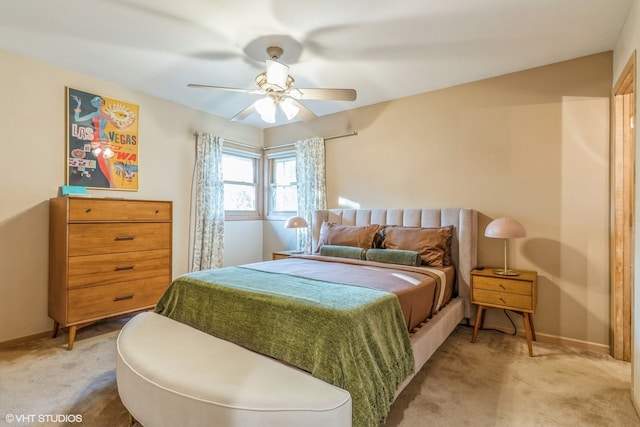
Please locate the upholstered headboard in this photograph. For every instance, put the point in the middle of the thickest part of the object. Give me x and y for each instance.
(463, 243)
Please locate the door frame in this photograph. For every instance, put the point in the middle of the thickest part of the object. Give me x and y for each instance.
(622, 209)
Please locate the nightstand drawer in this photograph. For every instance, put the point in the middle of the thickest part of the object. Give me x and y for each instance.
(502, 299)
(500, 284)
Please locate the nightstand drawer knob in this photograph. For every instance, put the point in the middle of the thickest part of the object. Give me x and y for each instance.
(123, 297)
(502, 286)
(503, 301)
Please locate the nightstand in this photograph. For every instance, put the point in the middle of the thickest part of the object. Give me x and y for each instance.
(283, 254)
(513, 293)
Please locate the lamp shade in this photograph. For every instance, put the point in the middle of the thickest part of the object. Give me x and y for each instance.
(266, 107)
(505, 228)
(290, 110)
(277, 74)
(296, 222)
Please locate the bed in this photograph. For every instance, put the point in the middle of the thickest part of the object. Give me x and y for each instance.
(330, 314)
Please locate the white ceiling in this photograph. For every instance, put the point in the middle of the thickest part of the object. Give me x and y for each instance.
(383, 49)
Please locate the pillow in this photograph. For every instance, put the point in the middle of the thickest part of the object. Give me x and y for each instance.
(431, 243)
(342, 251)
(346, 235)
(394, 256)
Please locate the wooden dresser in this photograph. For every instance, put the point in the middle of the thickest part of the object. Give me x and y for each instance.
(106, 257)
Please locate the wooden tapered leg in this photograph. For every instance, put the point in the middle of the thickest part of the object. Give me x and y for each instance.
(479, 320)
(56, 325)
(527, 328)
(533, 330)
(72, 336)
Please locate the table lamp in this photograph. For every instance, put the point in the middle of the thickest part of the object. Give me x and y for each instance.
(296, 222)
(505, 228)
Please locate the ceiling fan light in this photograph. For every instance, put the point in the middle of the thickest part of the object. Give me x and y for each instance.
(277, 74)
(269, 119)
(289, 108)
(266, 107)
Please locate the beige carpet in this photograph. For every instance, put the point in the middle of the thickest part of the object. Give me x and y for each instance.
(490, 383)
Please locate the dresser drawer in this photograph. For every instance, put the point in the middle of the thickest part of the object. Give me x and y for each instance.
(86, 304)
(93, 239)
(106, 269)
(502, 299)
(503, 285)
(88, 209)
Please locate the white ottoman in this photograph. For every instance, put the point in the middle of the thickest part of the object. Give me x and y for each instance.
(170, 374)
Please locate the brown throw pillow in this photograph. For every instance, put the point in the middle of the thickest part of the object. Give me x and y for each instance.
(431, 243)
(346, 235)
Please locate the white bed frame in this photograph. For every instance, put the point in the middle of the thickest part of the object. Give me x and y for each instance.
(426, 340)
(171, 374)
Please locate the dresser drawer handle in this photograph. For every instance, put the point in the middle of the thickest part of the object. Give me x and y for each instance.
(502, 286)
(124, 267)
(123, 297)
(503, 301)
(125, 237)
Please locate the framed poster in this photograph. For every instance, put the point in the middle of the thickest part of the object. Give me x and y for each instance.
(102, 142)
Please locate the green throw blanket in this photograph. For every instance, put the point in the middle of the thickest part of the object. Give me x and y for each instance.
(349, 336)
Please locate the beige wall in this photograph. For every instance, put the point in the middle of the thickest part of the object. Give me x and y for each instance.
(533, 145)
(33, 167)
(628, 42)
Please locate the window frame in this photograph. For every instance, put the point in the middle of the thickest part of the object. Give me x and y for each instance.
(269, 183)
(257, 157)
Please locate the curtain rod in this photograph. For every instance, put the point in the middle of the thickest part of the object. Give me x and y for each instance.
(326, 139)
(286, 145)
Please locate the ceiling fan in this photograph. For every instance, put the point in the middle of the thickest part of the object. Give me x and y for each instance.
(278, 87)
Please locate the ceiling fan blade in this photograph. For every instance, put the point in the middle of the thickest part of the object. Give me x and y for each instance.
(229, 89)
(303, 112)
(325, 94)
(244, 113)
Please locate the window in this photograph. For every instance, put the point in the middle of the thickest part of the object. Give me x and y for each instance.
(283, 189)
(240, 171)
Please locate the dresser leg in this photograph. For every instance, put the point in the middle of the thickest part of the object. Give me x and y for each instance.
(54, 333)
(527, 328)
(479, 319)
(72, 336)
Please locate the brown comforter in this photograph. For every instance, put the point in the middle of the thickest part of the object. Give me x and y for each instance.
(417, 288)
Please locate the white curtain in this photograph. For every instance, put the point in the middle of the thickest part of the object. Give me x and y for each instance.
(208, 242)
(312, 189)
